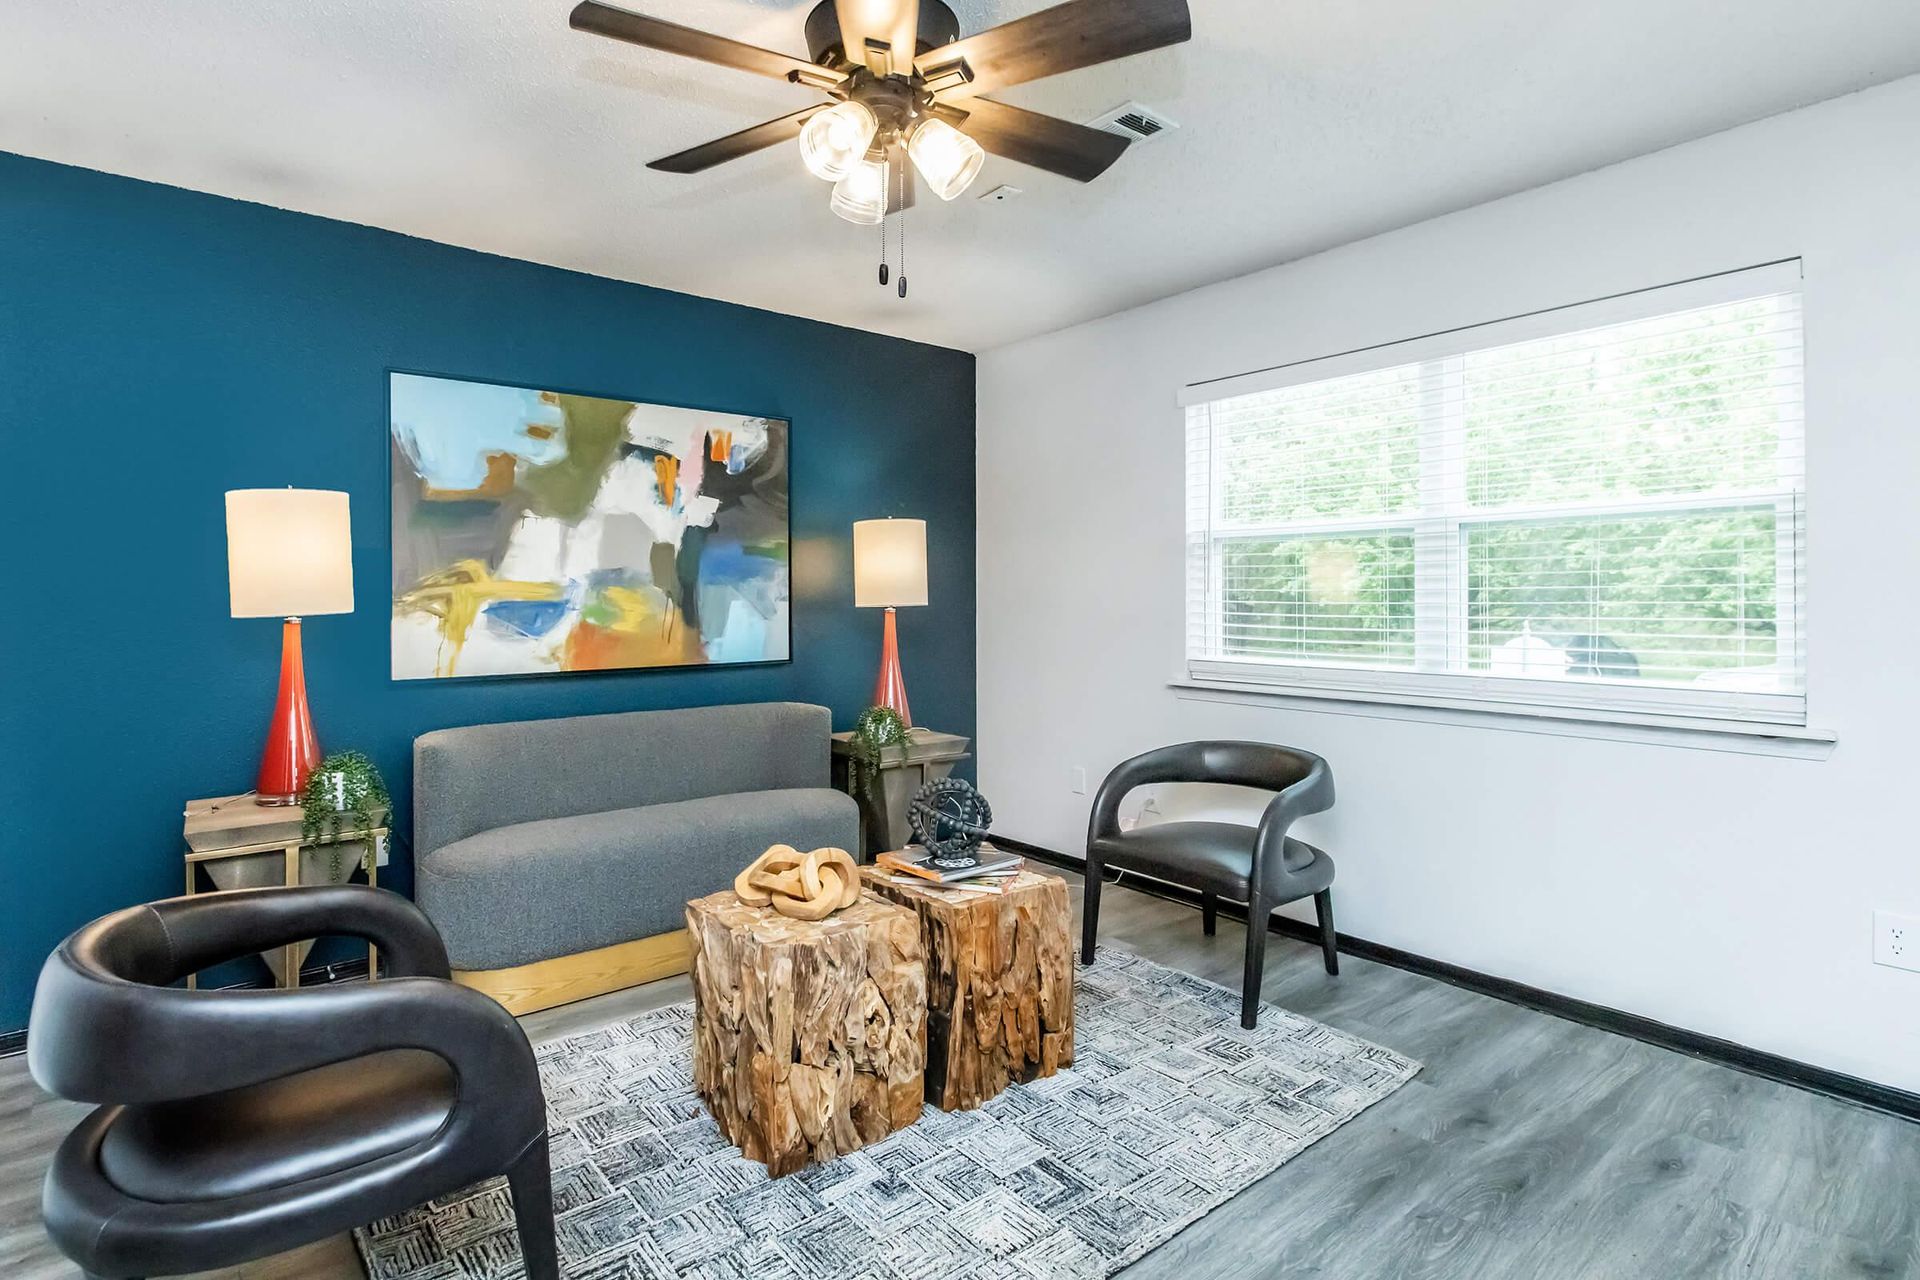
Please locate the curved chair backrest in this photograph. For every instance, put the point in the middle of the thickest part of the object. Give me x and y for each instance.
(1250, 764)
(109, 1026)
(1302, 780)
(1263, 765)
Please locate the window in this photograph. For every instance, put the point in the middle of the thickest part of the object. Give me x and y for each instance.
(1597, 509)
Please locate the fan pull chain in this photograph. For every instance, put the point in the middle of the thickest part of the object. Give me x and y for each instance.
(903, 230)
(883, 243)
(898, 194)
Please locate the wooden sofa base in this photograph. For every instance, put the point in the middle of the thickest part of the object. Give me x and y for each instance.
(528, 988)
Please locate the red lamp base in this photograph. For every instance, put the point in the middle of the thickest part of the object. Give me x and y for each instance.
(293, 749)
(890, 687)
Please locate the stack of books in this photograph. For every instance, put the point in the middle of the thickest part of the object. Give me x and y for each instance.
(991, 871)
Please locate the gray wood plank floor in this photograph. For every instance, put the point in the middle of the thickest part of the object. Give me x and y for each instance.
(1529, 1147)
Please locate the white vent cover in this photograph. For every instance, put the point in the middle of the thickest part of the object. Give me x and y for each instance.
(1135, 121)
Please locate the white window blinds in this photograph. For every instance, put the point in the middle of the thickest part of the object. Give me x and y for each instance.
(1597, 508)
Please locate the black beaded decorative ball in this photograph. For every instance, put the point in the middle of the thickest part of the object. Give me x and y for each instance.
(950, 819)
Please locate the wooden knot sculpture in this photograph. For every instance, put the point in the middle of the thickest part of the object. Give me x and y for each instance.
(801, 886)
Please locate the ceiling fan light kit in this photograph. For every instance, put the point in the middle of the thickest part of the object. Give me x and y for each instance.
(909, 87)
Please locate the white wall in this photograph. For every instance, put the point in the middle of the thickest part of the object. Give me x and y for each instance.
(1725, 892)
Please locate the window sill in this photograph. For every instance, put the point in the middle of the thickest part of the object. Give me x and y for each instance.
(1795, 741)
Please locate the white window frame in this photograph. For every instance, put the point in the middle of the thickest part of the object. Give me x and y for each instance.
(1438, 678)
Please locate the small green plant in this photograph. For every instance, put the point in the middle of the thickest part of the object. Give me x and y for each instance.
(877, 729)
(343, 801)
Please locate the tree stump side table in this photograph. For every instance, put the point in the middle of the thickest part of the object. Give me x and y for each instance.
(999, 984)
(809, 1037)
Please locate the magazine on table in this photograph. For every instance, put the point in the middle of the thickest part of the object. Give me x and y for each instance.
(916, 861)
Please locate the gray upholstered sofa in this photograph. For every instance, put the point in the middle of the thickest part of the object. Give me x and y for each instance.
(556, 856)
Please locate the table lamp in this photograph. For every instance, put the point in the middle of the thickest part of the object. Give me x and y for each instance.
(889, 571)
(289, 553)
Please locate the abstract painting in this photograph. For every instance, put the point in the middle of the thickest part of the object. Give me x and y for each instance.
(536, 531)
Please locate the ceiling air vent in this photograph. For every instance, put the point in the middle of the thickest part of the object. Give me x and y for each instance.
(1134, 121)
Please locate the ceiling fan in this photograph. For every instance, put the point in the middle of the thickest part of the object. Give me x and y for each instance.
(907, 88)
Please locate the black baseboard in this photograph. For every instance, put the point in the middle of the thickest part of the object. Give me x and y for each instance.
(319, 975)
(1726, 1053)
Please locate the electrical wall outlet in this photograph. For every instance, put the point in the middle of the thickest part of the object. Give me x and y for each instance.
(1148, 812)
(1896, 940)
(1077, 780)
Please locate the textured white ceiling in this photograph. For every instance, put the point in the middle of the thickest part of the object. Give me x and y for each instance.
(1307, 123)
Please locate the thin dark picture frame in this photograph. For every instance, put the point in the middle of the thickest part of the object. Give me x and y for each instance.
(603, 672)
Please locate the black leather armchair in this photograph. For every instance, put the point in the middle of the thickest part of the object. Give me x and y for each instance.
(237, 1124)
(1263, 867)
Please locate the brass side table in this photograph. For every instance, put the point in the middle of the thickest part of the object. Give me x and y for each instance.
(243, 845)
(904, 769)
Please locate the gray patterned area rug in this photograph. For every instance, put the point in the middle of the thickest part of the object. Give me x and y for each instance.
(1169, 1110)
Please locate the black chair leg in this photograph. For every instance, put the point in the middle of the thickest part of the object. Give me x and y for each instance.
(1209, 913)
(531, 1181)
(1257, 912)
(1090, 911)
(1323, 906)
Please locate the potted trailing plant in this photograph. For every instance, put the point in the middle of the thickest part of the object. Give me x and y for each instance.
(344, 800)
(877, 729)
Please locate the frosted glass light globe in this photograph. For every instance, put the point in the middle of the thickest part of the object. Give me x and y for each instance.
(948, 159)
(835, 140)
(861, 196)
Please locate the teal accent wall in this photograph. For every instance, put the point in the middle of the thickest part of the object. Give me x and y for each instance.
(159, 347)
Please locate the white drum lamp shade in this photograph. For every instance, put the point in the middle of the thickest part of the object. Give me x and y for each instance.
(289, 553)
(889, 563)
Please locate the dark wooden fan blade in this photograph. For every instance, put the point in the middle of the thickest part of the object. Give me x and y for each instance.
(735, 145)
(655, 33)
(865, 24)
(1066, 37)
(1045, 142)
